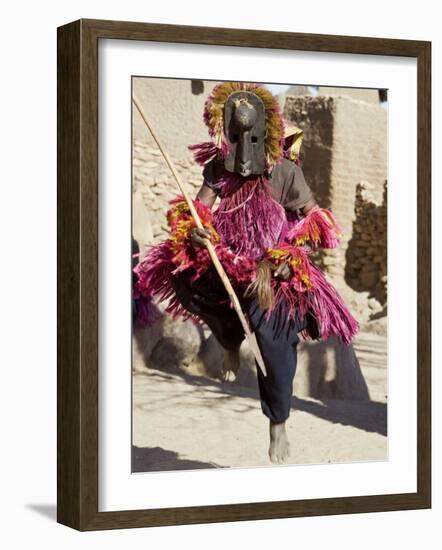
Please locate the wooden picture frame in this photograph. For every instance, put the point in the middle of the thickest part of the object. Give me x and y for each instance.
(77, 459)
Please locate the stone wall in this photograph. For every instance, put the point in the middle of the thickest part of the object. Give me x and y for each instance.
(153, 188)
(345, 143)
(366, 265)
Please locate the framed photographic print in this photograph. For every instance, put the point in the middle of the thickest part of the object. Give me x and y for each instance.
(244, 284)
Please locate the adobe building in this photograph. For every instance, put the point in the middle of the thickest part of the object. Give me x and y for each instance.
(344, 159)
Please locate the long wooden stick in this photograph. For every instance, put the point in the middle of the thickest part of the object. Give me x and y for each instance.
(251, 337)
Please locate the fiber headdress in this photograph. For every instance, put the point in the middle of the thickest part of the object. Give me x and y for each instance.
(214, 120)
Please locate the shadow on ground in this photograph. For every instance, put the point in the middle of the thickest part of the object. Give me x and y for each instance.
(153, 459)
(225, 388)
(370, 416)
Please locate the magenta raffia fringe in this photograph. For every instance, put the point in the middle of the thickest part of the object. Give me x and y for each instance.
(155, 272)
(321, 298)
(330, 310)
(249, 219)
(319, 229)
(204, 152)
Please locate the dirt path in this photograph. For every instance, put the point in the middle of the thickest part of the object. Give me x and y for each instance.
(189, 422)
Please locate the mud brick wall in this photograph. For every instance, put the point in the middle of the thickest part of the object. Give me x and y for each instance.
(364, 94)
(316, 116)
(366, 266)
(175, 109)
(345, 143)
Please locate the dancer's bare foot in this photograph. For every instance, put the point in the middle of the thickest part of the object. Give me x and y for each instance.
(279, 450)
(230, 366)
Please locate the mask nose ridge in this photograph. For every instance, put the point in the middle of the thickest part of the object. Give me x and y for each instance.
(245, 153)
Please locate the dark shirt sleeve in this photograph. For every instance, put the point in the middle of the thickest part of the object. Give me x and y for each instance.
(295, 191)
(212, 173)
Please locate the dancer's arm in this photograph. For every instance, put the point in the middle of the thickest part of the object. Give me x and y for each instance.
(199, 237)
(206, 195)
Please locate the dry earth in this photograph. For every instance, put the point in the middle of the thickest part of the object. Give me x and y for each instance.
(183, 421)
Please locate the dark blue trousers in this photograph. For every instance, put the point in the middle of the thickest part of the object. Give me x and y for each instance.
(278, 339)
(277, 336)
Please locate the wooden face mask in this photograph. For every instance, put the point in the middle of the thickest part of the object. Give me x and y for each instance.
(244, 126)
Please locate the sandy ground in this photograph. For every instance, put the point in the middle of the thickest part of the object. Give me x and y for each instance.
(189, 422)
